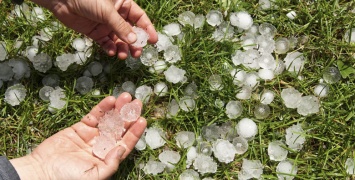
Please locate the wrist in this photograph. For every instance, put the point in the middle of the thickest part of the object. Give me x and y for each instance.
(28, 167)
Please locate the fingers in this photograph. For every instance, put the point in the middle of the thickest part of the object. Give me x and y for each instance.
(120, 27)
(134, 14)
(132, 135)
(123, 99)
(112, 159)
(98, 111)
(85, 132)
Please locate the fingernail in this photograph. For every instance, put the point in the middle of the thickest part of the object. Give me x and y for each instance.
(120, 151)
(132, 37)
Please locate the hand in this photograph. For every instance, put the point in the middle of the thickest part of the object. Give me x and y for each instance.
(68, 154)
(108, 22)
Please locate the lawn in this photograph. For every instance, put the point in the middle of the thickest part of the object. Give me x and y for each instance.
(320, 27)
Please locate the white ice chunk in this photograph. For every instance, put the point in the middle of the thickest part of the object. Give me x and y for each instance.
(172, 54)
(250, 169)
(172, 29)
(42, 62)
(84, 84)
(234, 109)
(244, 93)
(174, 74)
(79, 44)
(154, 138)
(149, 56)
(64, 61)
(291, 15)
(276, 151)
(308, 105)
(295, 137)
(189, 174)
(164, 42)
(153, 167)
(247, 128)
(160, 89)
(191, 156)
(282, 45)
(57, 100)
(291, 97)
(286, 170)
(159, 66)
(20, 68)
(186, 18)
(130, 112)
(31, 52)
(187, 103)
(224, 151)
(45, 92)
(321, 90)
(214, 18)
(15, 94)
(141, 145)
(169, 157)
(143, 93)
(267, 61)
(142, 37)
(185, 139)
(205, 164)
(267, 29)
(350, 166)
(267, 96)
(294, 61)
(199, 21)
(242, 20)
(211, 133)
(266, 74)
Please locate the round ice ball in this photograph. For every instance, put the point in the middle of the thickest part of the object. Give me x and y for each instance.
(276, 151)
(84, 84)
(15, 94)
(282, 45)
(160, 89)
(240, 145)
(321, 90)
(187, 104)
(247, 128)
(79, 44)
(159, 66)
(242, 20)
(261, 111)
(267, 29)
(214, 18)
(286, 170)
(234, 109)
(186, 18)
(331, 75)
(142, 37)
(44, 92)
(129, 87)
(267, 97)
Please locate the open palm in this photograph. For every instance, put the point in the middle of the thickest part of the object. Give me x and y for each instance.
(68, 153)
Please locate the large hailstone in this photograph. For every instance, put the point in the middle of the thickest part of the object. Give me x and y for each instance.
(286, 170)
(308, 105)
(321, 90)
(57, 100)
(142, 37)
(295, 137)
(143, 93)
(172, 29)
(174, 74)
(214, 18)
(149, 56)
(169, 158)
(187, 103)
(64, 61)
(185, 139)
(154, 138)
(163, 42)
(15, 94)
(189, 174)
(20, 68)
(291, 97)
(84, 84)
(42, 62)
(223, 150)
(186, 18)
(276, 151)
(247, 128)
(294, 62)
(234, 109)
(250, 169)
(242, 20)
(153, 167)
(205, 164)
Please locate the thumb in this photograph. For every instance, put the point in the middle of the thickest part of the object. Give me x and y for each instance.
(112, 158)
(120, 26)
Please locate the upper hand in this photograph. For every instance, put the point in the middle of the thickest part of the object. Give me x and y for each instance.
(108, 22)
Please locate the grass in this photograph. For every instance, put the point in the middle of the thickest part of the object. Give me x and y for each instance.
(329, 133)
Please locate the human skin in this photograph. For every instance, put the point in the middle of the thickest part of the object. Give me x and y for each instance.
(68, 153)
(108, 22)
